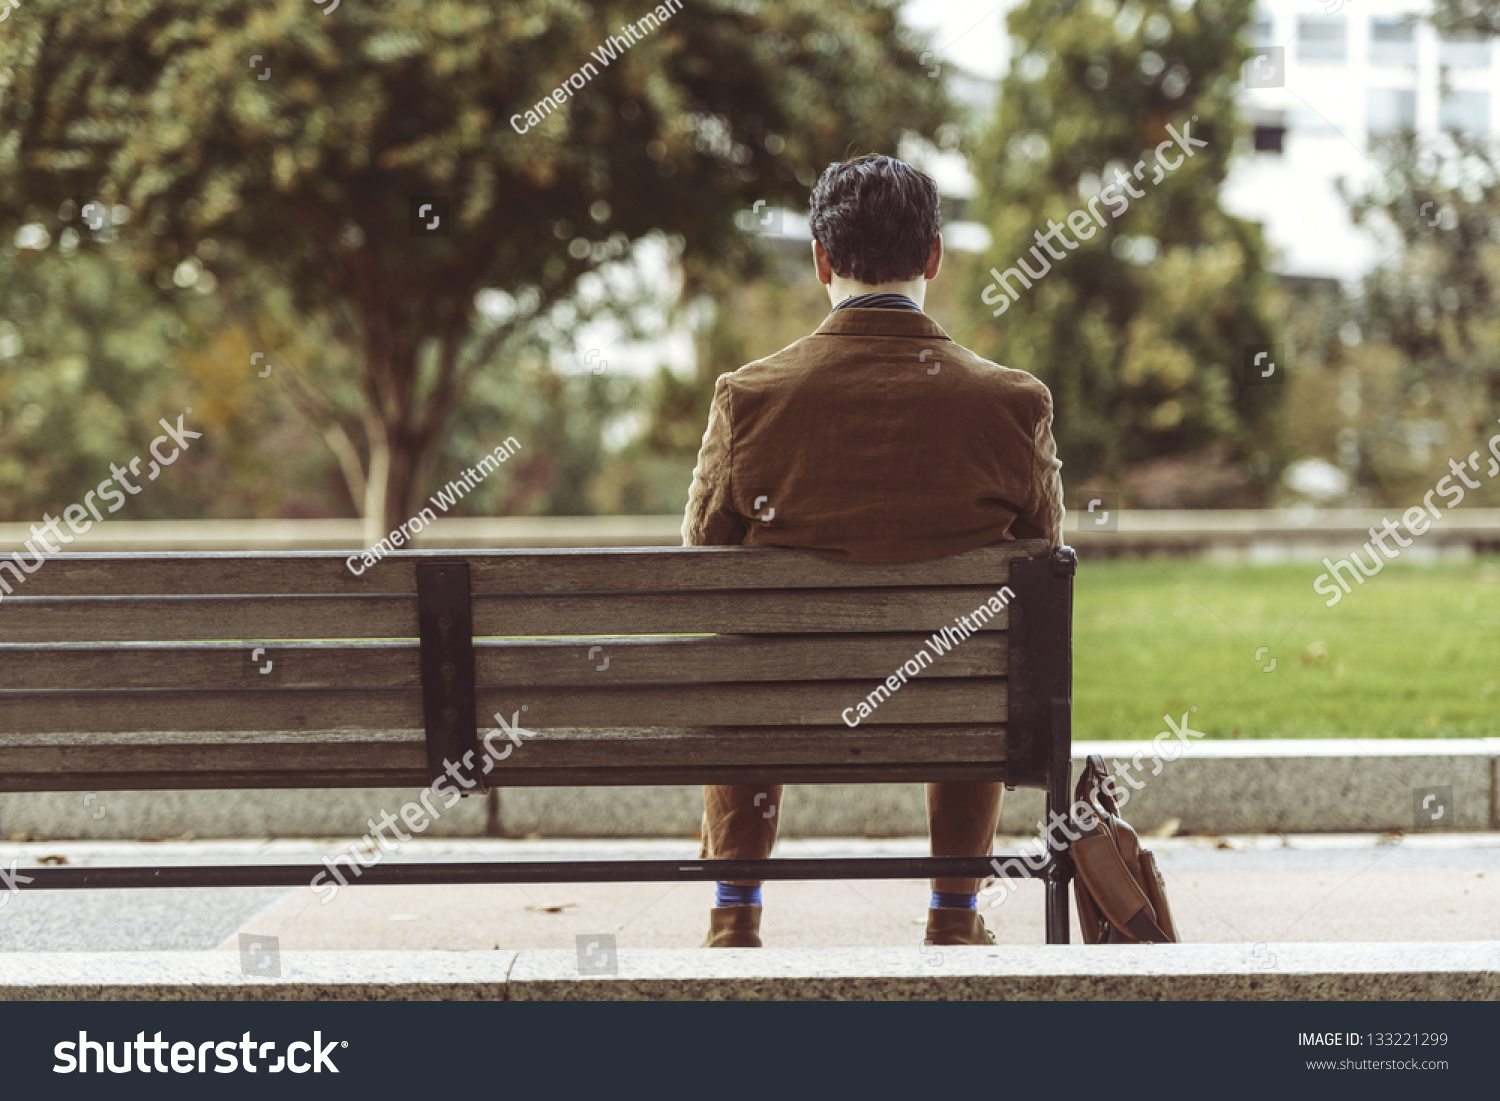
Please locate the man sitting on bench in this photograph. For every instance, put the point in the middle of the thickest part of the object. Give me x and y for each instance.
(875, 439)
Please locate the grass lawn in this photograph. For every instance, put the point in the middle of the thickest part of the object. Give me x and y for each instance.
(1414, 653)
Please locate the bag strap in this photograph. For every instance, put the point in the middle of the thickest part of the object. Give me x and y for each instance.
(1094, 786)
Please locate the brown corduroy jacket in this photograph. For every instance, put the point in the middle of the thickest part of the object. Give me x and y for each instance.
(876, 439)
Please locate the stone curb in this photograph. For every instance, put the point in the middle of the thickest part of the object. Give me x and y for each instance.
(218, 976)
(1457, 971)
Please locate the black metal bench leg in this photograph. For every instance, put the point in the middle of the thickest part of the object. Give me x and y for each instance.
(1057, 911)
(1060, 868)
(1059, 875)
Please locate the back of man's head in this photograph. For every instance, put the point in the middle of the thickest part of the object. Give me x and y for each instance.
(877, 218)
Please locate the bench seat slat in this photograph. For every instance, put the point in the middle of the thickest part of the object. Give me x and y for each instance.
(635, 755)
(969, 700)
(665, 749)
(811, 611)
(627, 569)
(760, 773)
(549, 662)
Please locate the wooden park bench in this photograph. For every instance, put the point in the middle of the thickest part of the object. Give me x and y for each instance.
(725, 665)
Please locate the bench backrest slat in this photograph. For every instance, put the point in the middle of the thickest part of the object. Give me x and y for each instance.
(970, 700)
(385, 664)
(612, 569)
(740, 611)
(661, 747)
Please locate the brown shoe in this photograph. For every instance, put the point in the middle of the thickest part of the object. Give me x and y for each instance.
(733, 927)
(945, 926)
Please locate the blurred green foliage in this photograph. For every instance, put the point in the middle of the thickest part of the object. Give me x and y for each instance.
(1142, 331)
(235, 215)
(91, 357)
(1437, 302)
(1393, 381)
(1467, 16)
(274, 155)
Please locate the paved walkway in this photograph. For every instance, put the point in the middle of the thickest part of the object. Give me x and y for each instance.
(1248, 890)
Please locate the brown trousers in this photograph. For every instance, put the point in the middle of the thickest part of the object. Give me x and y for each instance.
(961, 820)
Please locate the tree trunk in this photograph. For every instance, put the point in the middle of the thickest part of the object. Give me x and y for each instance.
(377, 482)
(406, 454)
(401, 432)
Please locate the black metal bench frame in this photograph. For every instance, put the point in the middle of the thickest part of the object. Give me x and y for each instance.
(1038, 755)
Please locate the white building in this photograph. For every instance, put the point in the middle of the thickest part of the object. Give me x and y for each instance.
(1348, 73)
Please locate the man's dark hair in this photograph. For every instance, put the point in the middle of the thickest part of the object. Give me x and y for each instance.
(876, 217)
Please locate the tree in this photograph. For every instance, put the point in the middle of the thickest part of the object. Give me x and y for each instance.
(1431, 313)
(282, 149)
(90, 358)
(1481, 17)
(1142, 327)
(1439, 300)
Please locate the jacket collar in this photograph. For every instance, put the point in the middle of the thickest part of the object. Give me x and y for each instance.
(858, 322)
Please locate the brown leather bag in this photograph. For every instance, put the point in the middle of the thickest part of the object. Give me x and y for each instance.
(1121, 896)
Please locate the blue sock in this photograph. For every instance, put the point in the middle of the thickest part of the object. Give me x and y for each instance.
(942, 901)
(733, 894)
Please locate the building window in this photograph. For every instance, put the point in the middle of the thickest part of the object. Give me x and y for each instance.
(1393, 41)
(1270, 139)
(1321, 39)
(1389, 110)
(1466, 112)
(1260, 29)
(1464, 51)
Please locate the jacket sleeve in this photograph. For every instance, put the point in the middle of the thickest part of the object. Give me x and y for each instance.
(1044, 507)
(711, 519)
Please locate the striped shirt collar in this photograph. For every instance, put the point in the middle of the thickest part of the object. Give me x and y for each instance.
(878, 301)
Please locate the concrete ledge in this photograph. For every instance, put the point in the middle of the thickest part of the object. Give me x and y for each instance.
(1263, 786)
(449, 533)
(1255, 535)
(1462, 971)
(218, 976)
(1187, 972)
